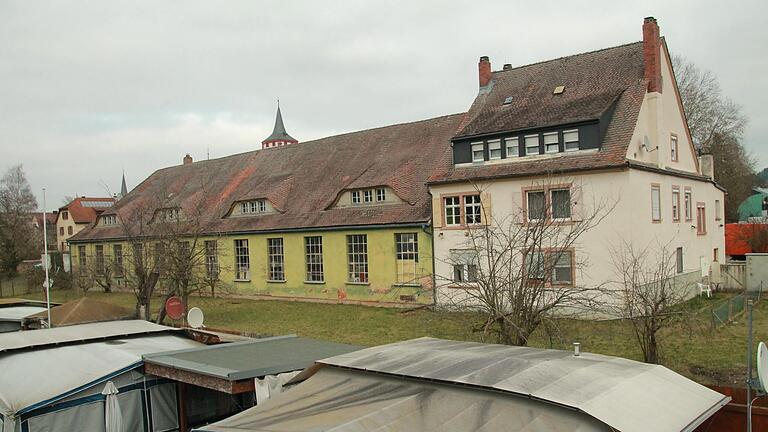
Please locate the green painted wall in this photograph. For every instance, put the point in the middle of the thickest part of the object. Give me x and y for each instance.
(382, 266)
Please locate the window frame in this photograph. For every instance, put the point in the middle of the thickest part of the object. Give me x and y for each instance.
(679, 260)
(566, 142)
(538, 144)
(551, 206)
(100, 261)
(548, 213)
(701, 218)
(688, 204)
(656, 216)
(313, 265)
(406, 250)
(474, 148)
(507, 146)
(357, 259)
(461, 202)
(547, 278)
(455, 206)
(242, 260)
(212, 269)
(675, 203)
(367, 196)
(718, 211)
(494, 145)
(476, 208)
(556, 143)
(275, 259)
(674, 147)
(381, 194)
(117, 260)
(571, 266)
(82, 256)
(355, 198)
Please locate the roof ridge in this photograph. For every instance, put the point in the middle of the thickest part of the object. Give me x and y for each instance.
(568, 56)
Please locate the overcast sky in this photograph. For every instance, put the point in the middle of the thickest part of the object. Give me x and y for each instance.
(89, 89)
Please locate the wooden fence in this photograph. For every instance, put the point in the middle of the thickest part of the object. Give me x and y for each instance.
(734, 276)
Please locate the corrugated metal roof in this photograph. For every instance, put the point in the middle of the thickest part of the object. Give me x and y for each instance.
(252, 358)
(36, 339)
(624, 394)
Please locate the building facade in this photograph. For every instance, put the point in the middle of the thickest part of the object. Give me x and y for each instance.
(76, 215)
(595, 135)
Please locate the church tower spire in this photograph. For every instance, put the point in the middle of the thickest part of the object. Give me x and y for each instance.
(279, 136)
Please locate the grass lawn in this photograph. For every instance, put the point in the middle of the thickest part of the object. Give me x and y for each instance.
(693, 349)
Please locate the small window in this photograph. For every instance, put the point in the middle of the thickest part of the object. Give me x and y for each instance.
(534, 265)
(715, 254)
(381, 194)
(679, 259)
(69, 230)
(532, 145)
(676, 204)
(561, 204)
(452, 211)
(494, 149)
(673, 148)
(571, 139)
(562, 271)
(656, 203)
(65, 215)
(472, 209)
(513, 148)
(61, 230)
(536, 205)
(718, 210)
(246, 207)
(478, 153)
(465, 266)
(551, 142)
(688, 206)
(701, 219)
(368, 196)
(355, 197)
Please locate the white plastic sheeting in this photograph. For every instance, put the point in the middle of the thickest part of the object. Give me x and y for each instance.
(338, 400)
(272, 385)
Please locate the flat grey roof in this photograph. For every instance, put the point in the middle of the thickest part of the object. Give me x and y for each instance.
(253, 358)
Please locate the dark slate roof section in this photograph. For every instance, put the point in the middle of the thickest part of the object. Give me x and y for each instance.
(279, 133)
(302, 181)
(251, 359)
(595, 82)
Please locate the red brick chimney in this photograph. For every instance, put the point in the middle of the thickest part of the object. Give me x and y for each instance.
(187, 159)
(484, 71)
(652, 54)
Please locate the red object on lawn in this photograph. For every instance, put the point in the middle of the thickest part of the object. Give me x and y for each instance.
(174, 308)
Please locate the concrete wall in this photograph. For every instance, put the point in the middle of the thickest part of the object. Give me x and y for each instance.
(383, 285)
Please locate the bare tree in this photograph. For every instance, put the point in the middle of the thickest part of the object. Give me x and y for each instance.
(646, 293)
(518, 271)
(18, 237)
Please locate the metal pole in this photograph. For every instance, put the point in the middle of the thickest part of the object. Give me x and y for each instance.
(749, 364)
(45, 253)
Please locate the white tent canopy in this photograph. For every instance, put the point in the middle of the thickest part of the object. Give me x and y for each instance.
(394, 387)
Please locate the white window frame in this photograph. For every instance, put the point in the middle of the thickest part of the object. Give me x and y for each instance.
(528, 205)
(512, 143)
(406, 251)
(355, 197)
(357, 258)
(552, 204)
(556, 265)
(313, 257)
(655, 203)
(568, 145)
(676, 204)
(381, 194)
(368, 196)
(478, 152)
(718, 210)
(494, 149)
(673, 148)
(473, 209)
(688, 205)
(275, 260)
(453, 203)
(530, 138)
(548, 145)
(242, 260)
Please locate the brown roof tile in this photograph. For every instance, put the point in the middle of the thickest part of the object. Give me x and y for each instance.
(303, 180)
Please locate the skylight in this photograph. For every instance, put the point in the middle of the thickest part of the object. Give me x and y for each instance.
(508, 100)
(559, 90)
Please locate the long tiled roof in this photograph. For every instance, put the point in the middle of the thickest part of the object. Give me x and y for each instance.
(302, 181)
(594, 83)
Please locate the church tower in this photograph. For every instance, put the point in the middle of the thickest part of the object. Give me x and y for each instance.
(279, 136)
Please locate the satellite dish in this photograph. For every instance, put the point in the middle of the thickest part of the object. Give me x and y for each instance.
(762, 365)
(195, 318)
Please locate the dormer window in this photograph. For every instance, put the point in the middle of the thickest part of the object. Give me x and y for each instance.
(551, 142)
(381, 194)
(513, 149)
(478, 154)
(532, 145)
(109, 220)
(571, 138)
(368, 196)
(494, 149)
(355, 197)
(170, 214)
(253, 207)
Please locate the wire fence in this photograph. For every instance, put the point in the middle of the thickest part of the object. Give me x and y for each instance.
(731, 308)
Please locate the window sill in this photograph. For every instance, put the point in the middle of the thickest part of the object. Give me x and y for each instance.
(275, 281)
(357, 283)
(407, 285)
(241, 280)
(465, 286)
(314, 282)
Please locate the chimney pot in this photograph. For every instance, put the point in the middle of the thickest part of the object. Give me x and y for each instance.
(652, 54)
(484, 71)
(507, 66)
(187, 159)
